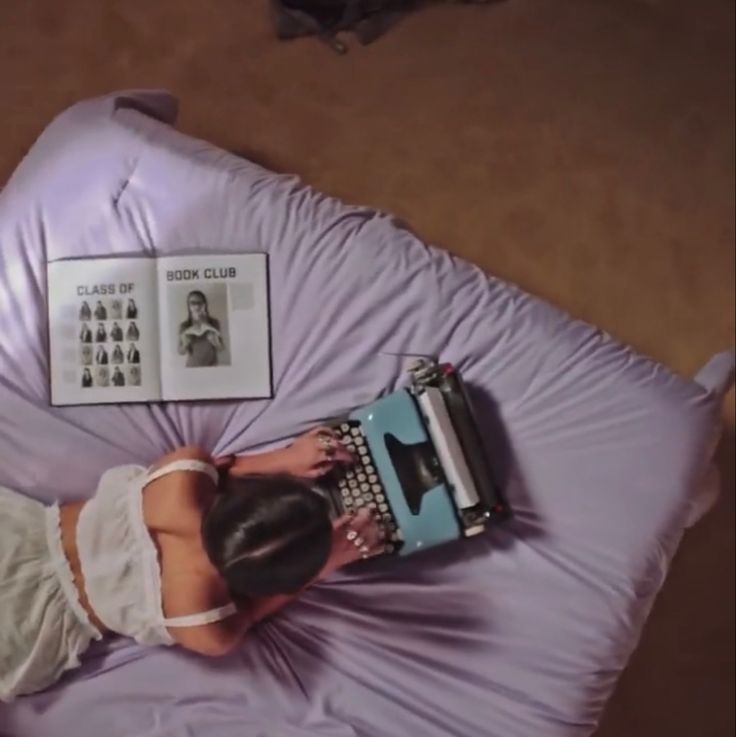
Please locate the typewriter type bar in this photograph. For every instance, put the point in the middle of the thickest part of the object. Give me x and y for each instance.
(443, 379)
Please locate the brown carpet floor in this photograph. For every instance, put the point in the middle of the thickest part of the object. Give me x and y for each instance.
(584, 150)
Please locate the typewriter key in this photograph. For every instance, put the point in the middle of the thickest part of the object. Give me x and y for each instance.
(361, 477)
(383, 507)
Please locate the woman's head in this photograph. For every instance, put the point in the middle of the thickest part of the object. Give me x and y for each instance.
(198, 310)
(267, 535)
(197, 306)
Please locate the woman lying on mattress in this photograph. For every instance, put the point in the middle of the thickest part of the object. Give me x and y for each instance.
(193, 551)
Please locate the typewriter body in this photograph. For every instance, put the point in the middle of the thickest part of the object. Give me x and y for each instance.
(421, 464)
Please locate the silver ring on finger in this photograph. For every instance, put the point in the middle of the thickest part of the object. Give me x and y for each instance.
(351, 535)
(327, 446)
(326, 442)
(358, 541)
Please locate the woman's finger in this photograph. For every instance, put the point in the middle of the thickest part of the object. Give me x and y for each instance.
(320, 469)
(363, 519)
(343, 522)
(343, 455)
(224, 462)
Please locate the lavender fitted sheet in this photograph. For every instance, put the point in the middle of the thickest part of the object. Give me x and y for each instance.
(521, 633)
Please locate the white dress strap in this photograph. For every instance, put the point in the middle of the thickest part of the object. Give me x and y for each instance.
(184, 464)
(194, 620)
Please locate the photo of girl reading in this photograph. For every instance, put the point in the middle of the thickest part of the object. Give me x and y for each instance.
(201, 339)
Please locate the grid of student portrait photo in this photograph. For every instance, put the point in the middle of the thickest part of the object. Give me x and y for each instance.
(108, 337)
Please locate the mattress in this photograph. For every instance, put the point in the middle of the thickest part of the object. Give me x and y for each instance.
(522, 632)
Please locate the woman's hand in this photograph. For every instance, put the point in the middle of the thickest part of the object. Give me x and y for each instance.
(315, 453)
(311, 455)
(185, 342)
(354, 537)
(214, 337)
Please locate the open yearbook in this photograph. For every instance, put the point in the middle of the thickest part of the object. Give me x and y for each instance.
(159, 329)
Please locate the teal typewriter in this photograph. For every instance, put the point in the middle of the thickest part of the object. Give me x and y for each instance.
(421, 465)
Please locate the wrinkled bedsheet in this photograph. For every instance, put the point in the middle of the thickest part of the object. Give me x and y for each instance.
(521, 633)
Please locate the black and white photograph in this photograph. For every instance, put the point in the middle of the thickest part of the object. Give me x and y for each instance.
(101, 333)
(85, 312)
(85, 334)
(118, 378)
(131, 310)
(86, 354)
(101, 358)
(100, 311)
(116, 332)
(132, 333)
(117, 356)
(202, 335)
(116, 309)
(102, 376)
(134, 375)
(87, 381)
(133, 355)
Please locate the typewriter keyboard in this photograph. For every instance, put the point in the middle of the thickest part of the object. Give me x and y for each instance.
(360, 485)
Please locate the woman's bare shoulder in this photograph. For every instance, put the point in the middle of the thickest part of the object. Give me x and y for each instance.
(187, 452)
(176, 501)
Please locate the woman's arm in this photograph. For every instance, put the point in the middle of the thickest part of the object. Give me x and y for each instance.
(311, 455)
(214, 337)
(184, 342)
